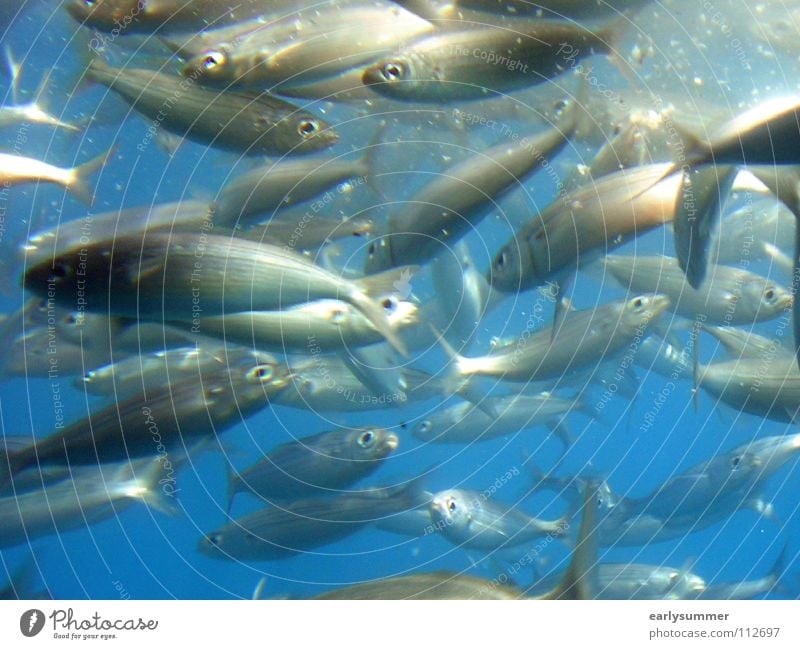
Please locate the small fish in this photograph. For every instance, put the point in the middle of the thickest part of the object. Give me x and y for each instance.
(284, 530)
(246, 123)
(310, 466)
(470, 520)
(18, 170)
(727, 296)
(234, 275)
(477, 62)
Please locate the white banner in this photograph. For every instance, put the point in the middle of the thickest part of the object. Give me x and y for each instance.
(384, 625)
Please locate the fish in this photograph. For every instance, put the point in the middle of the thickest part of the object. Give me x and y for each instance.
(579, 581)
(151, 371)
(120, 17)
(766, 385)
(281, 531)
(245, 123)
(470, 520)
(90, 494)
(465, 423)
(752, 588)
(325, 462)
(668, 359)
(557, 8)
(327, 384)
(618, 581)
(577, 227)
(477, 62)
(745, 233)
(267, 189)
(295, 49)
(582, 339)
(20, 170)
(195, 409)
(89, 228)
(23, 114)
(321, 325)
(701, 496)
(458, 199)
(728, 295)
(203, 274)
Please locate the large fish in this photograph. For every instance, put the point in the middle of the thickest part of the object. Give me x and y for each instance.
(247, 123)
(186, 276)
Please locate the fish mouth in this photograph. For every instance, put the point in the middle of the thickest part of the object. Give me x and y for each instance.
(392, 442)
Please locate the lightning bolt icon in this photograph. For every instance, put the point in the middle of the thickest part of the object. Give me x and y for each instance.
(32, 621)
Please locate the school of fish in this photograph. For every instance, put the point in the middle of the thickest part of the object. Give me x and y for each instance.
(412, 232)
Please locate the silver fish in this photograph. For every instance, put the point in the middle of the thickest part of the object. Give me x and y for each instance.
(319, 326)
(577, 227)
(279, 532)
(582, 339)
(265, 190)
(477, 61)
(465, 423)
(456, 201)
(469, 519)
(728, 295)
(247, 123)
(328, 461)
(202, 274)
(295, 49)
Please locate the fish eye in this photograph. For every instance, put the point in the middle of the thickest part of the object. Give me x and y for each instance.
(424, 426)
(451, 505)
(735, 460)
(673, 578)
(60, 270)
(212, 60)
(502, 260)
(392, 71)
(337, 316)
(366, 439)
(307, 127)
(769, 295)
(389, 304)
(637, 303)
(261, 373)
(214, 539)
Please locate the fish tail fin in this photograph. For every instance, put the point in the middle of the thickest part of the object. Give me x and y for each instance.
(457, 379)
(233, 486)
(14, 69)
(780, 569)
(81, 185)
(258, 591)
(153, 486)
(580, 580)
